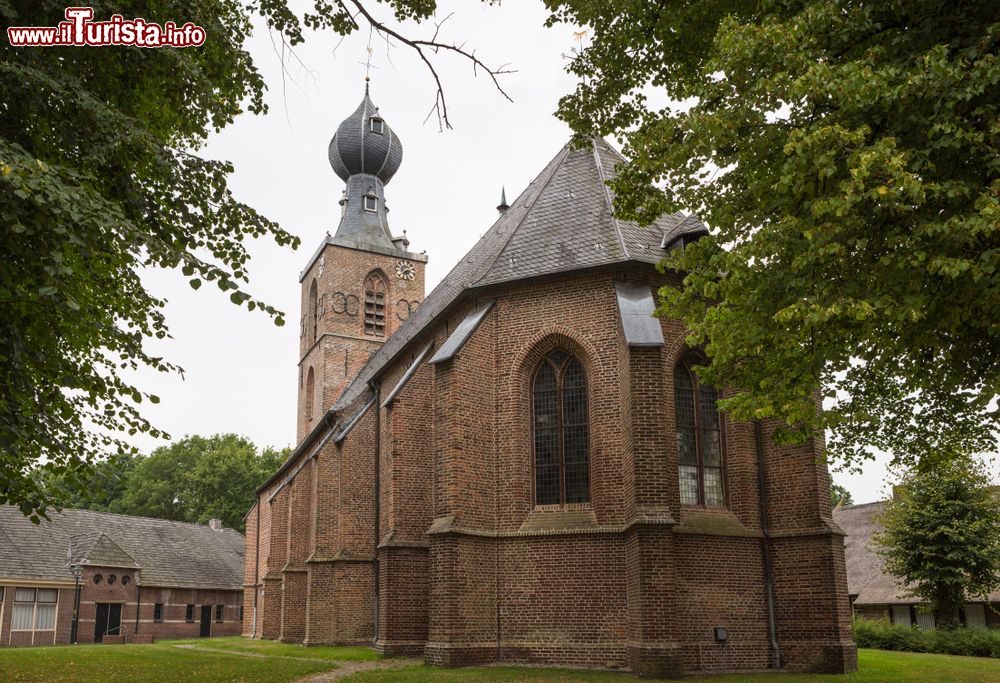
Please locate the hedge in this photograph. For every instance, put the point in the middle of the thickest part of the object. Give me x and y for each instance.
(882, 635)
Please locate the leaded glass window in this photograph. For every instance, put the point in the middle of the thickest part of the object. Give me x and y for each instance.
(561, 436)
(700, 465)
(375, 306)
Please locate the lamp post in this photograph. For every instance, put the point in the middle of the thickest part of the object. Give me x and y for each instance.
(77, 570)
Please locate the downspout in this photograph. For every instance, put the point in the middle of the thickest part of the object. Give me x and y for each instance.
(377, 388)
(765, 543)
(256, 569)
(496, 510)
(76, 604)
(138, 605)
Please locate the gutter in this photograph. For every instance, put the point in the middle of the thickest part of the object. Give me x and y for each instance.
(765, 543)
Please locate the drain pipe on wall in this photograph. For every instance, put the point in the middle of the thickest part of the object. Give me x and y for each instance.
(377, 388)
(765, 542)
(256, 568)
(74, 631)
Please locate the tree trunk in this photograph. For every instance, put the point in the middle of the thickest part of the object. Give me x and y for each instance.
(948, 605)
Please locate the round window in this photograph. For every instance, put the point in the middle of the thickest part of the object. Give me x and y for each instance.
(98, 578)
(111, 579)
(125, 580)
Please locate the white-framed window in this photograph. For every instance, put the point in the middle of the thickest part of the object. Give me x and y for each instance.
(34, 609)
(371, 203)
(901, 615)
(925, 620)
(377, 125)
(975, 615)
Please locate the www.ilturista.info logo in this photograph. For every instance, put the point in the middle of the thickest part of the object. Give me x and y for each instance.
(78, 29)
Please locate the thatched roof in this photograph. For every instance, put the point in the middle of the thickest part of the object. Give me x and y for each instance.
(867, 581)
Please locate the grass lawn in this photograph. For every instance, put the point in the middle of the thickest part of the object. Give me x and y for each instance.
(271, 648)
(275, 662)
(875, 666)
(160, 662)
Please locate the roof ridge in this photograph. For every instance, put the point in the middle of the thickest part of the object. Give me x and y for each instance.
(527, 210)
(861, 505)
(607, 197)
(151, 519)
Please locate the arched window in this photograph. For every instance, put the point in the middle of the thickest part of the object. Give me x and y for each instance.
(313, 312)
(375, 305)
(310, 395)
(559, 401)
(699, 439)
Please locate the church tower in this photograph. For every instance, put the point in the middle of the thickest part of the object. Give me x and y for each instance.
(362, 282)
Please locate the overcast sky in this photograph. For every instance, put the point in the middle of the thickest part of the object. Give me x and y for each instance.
(240, 369)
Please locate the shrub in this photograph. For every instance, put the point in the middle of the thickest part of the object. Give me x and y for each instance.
(883, 635)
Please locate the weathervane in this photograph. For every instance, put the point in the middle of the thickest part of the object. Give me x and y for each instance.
(368, 60)
(576, 52)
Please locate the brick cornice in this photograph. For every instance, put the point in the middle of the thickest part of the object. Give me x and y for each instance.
(821, 530)
(340, 558)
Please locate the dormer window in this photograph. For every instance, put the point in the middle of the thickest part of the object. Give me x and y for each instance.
(377, 125)
(371, 203)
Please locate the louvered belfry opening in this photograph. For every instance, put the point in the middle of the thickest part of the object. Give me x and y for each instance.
(559, 403)
(375, 306)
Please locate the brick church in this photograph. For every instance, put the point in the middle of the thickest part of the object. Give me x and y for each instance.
(522, 466)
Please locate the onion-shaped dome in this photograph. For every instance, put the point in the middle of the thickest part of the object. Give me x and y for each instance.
(364, 143)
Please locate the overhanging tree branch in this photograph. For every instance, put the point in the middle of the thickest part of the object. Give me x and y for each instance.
(422, 47)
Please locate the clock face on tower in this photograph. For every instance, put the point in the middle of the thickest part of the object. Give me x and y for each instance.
(405, 270)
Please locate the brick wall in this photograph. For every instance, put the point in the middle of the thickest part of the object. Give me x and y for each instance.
(174, 622)
(128, 594)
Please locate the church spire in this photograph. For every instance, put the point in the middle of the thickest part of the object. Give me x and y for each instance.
(502, 206)
(365, 153)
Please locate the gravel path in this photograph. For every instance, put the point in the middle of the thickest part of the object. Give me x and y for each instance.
(343, 670)
(346, 669)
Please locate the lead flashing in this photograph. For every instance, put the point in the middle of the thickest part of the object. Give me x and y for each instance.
(410, 371)
(354, 420)
(635, 303)
(461, 335)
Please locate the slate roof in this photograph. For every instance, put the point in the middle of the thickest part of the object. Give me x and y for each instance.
(97, 549)
(866, 577)
(560, 223)
(168, 554)
(356, 148)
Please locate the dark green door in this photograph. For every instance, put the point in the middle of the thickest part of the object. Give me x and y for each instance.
(108, 621)
(206, 621)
